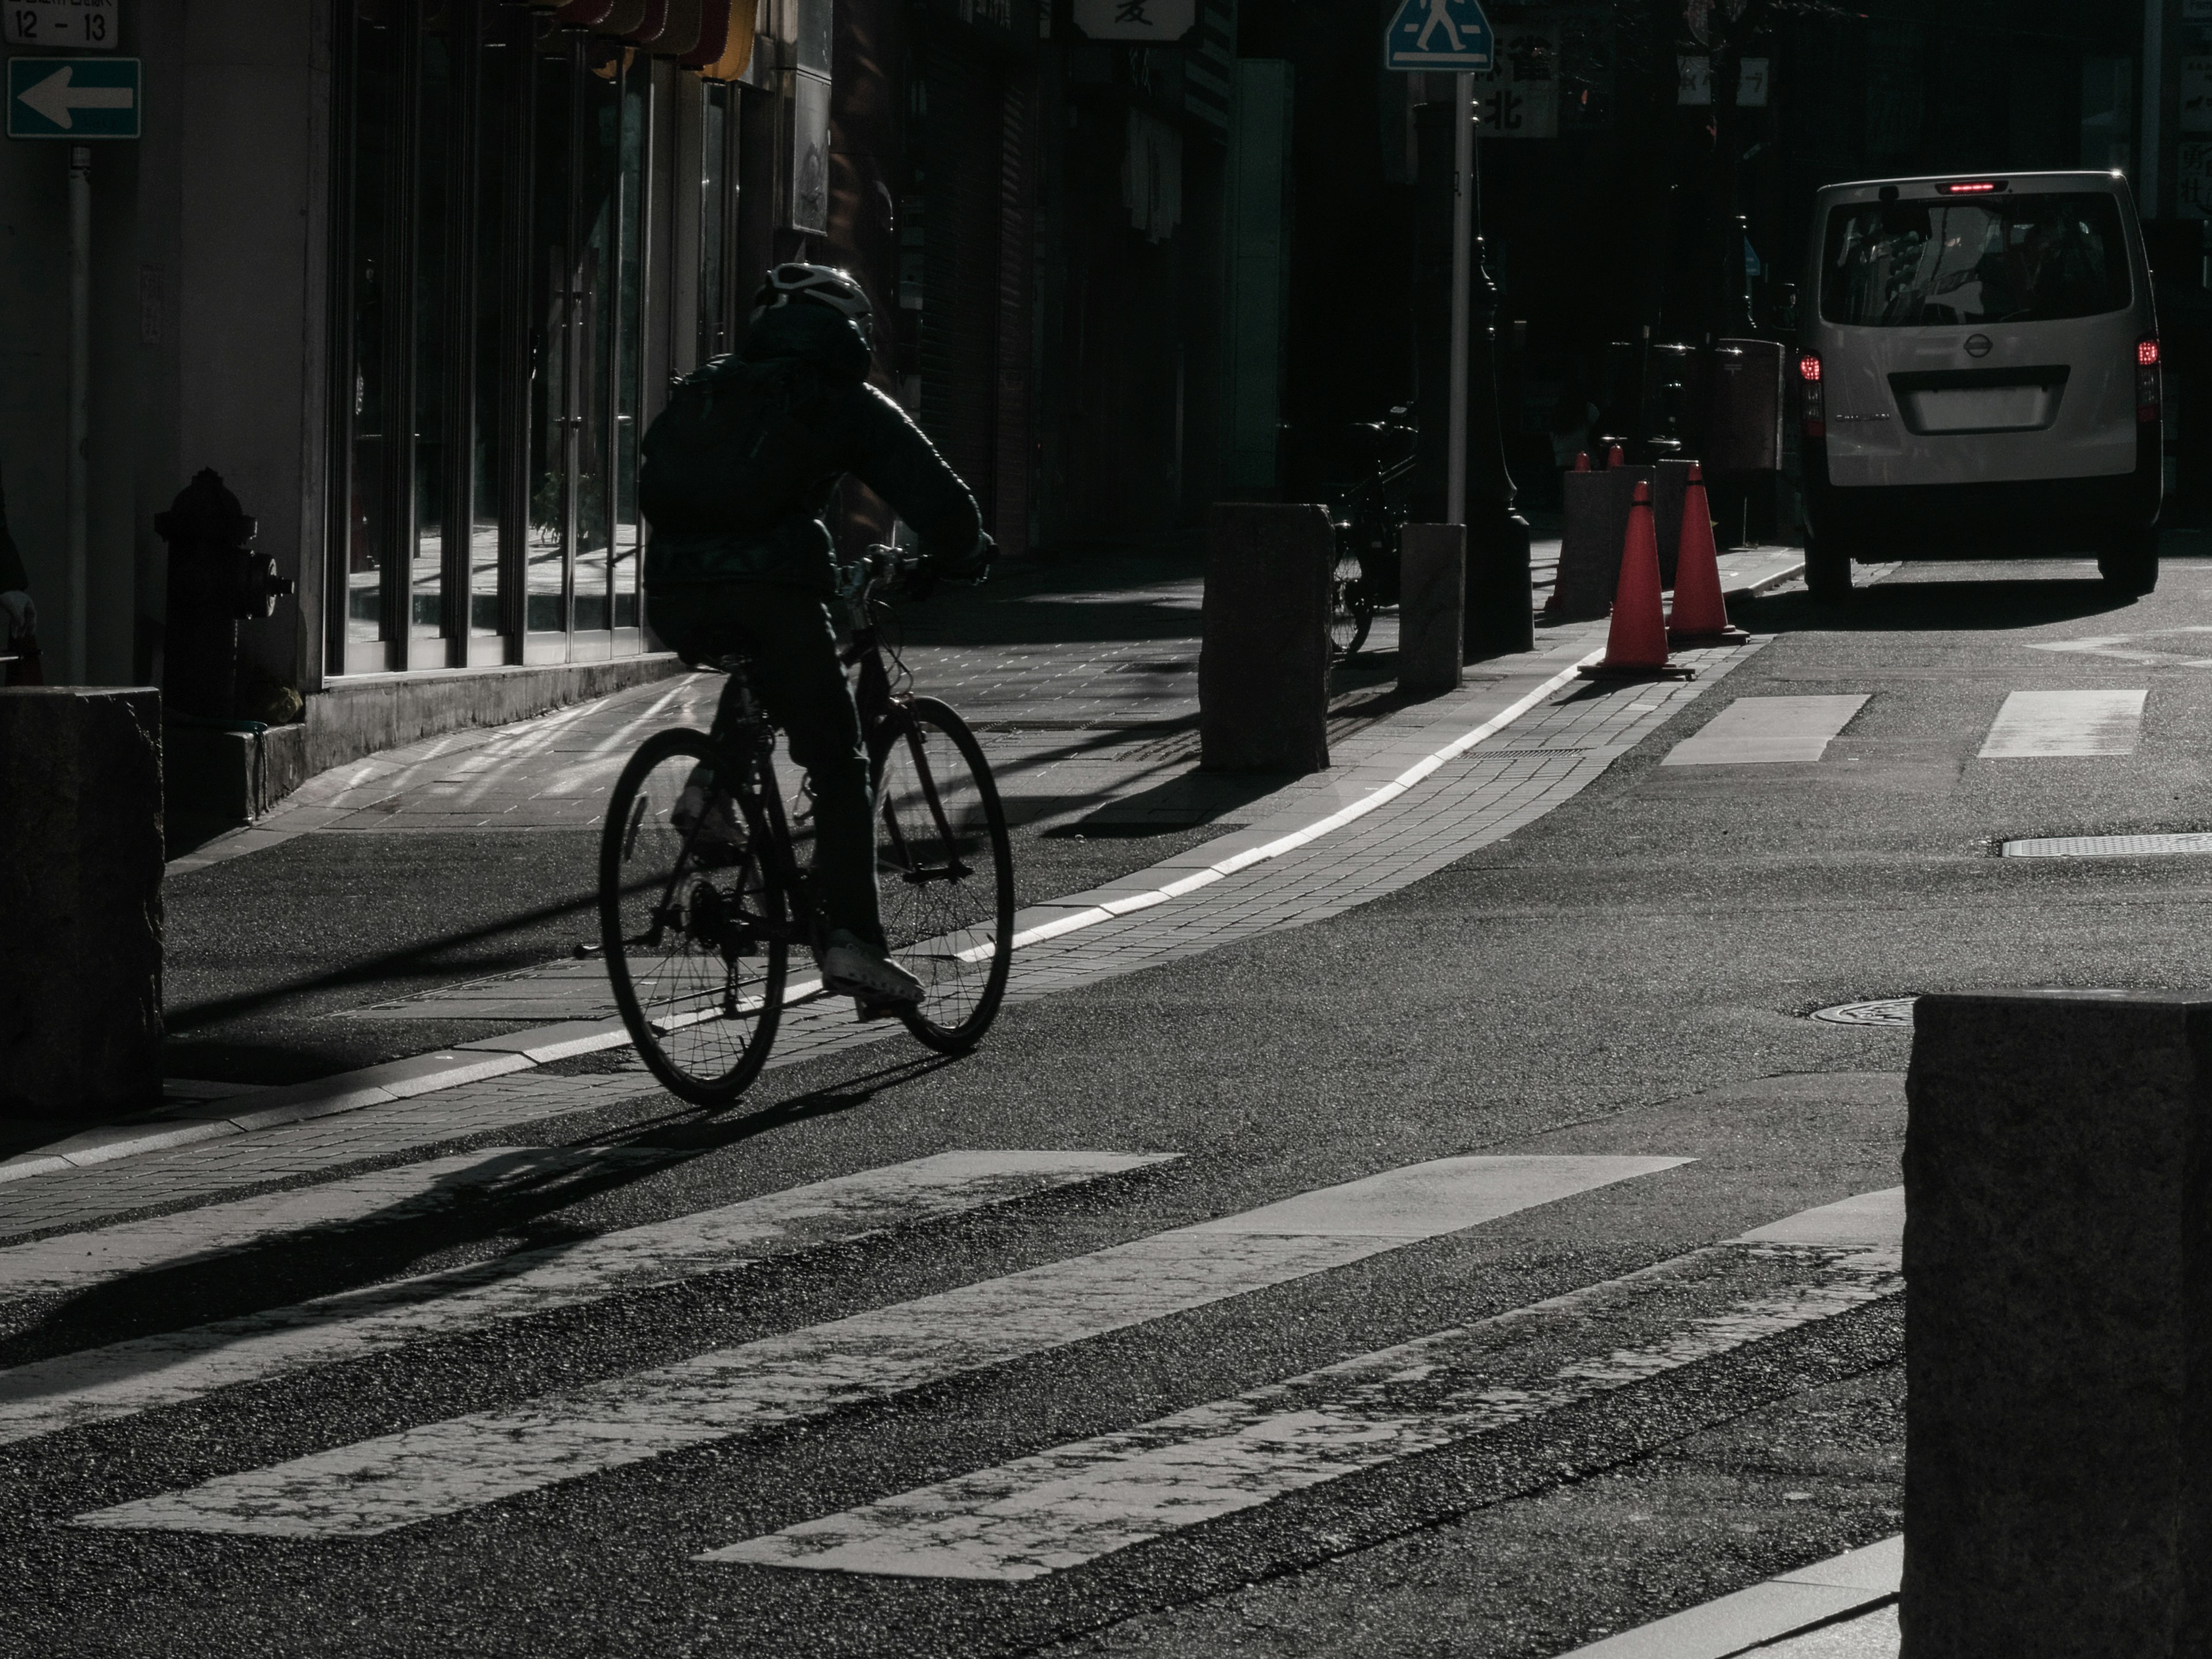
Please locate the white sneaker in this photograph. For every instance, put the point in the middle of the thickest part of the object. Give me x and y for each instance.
(850, 968)
(721, 832)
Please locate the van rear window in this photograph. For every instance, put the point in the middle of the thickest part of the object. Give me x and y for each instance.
(1992, 259)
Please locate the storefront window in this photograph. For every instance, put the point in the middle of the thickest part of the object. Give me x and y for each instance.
(500, 253)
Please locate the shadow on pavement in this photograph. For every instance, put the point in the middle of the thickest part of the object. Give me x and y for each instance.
(523, 1209)
(1908, 605)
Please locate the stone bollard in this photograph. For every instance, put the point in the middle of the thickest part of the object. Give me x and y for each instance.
(1431, 608)
(1263, 668)
(1597, 506)
(79, 900)
(2059, 1347)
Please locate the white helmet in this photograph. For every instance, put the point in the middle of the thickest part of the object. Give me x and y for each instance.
(823, 284)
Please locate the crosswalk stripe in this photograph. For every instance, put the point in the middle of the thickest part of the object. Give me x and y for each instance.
(1058, 1509)
(1755, 730)
(2035, 724)
(100, 1384)
(463, 1462)
(78, 1261)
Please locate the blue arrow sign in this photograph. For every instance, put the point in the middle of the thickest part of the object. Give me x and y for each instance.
(1439, 34)
(73, 98)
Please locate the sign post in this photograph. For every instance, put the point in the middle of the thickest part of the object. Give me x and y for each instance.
(1453, 36)
(75, 100)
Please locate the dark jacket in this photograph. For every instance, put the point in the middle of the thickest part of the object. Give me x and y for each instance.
(805, 415)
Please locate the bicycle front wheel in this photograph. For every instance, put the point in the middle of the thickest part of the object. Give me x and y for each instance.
(944, 872)
(694, 922)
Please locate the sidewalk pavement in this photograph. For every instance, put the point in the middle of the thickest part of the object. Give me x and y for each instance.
(1842, 1608)
(1414, 787)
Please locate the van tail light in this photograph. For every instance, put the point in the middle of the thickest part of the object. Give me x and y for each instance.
(1812, 406)
(2147, 379)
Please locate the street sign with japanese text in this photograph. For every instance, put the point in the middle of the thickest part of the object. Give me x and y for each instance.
(1519, 98)
(73, 98)
(1160, 23)
(1439, 34)
(65, 25)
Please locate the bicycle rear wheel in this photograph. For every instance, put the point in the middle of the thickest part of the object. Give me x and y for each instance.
(693, 921)
(944, 872)
(1351, 614)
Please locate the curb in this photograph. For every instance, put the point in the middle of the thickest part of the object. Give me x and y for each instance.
(1828, 1592)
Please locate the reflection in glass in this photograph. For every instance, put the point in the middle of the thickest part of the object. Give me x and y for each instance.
(375, 93)
(630, 176)
(546, 545)
(426, 569)
(713, 198)
(599, 203)
(488, 448)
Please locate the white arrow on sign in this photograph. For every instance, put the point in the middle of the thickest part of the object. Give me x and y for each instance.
(54, 97)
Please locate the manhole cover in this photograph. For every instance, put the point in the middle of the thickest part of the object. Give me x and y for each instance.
(1896, 1011)
(2108, 847)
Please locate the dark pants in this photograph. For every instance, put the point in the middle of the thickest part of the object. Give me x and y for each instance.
(793, 643)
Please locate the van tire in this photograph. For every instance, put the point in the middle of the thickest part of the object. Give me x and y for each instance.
(2129, 565)
(1827, 569)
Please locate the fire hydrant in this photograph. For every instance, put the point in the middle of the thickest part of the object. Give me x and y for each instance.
(217, 581)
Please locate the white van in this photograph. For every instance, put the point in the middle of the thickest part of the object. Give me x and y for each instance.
(1978, 371)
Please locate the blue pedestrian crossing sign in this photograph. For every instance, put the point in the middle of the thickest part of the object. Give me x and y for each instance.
(73, 98)
(1439, 34)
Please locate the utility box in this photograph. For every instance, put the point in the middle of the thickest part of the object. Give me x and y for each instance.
(1743, 409)
(79, 901)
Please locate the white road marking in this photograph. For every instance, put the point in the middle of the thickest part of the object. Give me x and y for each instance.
(1754, 730)
(1062, 1508)
(100, 1384)
(75, 1262)
(464, 1462)
(2039, 723)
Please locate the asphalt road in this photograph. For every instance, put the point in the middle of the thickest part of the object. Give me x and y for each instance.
(1626, 978)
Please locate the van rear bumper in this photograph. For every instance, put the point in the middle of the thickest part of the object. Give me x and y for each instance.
(1978, 520)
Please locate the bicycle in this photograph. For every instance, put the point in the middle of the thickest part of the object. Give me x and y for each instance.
(1368, 517)
(697, 929)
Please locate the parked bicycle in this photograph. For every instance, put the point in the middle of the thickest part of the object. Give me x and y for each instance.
(1368, 517)
(698, 921)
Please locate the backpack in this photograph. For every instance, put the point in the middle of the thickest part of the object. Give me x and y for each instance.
(734, 449)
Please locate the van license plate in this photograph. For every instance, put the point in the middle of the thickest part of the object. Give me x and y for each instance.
(1984, 409)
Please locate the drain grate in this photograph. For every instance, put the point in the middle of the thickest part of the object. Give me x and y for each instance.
(1895, 1012)
(2108, 847)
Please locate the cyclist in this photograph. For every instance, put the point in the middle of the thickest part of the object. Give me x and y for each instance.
(739, 472)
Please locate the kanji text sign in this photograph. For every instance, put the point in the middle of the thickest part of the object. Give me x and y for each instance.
(1439, 34)
(73, 98)
(1162, 22)
(74, 25)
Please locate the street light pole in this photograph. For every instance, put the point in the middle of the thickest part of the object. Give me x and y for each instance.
(1500, 607)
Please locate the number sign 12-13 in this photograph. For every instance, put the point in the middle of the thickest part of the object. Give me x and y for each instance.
(76, 25)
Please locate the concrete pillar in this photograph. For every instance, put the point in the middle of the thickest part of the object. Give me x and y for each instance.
(1431, 608)
(79, 900)
(1263, 668)
(2058, 1351)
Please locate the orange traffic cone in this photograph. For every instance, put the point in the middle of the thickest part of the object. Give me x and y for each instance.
(1636, 646)
(1582, 461)
(1616, 457)
(1700, 614)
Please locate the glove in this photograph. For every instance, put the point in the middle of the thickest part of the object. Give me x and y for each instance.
(22, 615)
(972, 566)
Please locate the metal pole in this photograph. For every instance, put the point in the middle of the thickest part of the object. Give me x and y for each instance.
(80, 395)
(1463, 236)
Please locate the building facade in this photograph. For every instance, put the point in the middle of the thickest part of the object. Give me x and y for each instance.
(413, 277)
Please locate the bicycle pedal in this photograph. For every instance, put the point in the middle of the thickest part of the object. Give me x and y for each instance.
(867, 1008)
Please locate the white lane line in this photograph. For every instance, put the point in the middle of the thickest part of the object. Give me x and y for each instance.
(1077, 921)
(100, 1384)
(2039, 723)
(78, 1261)
(442, 1468)
(1058, 1509)
(1754, 730)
